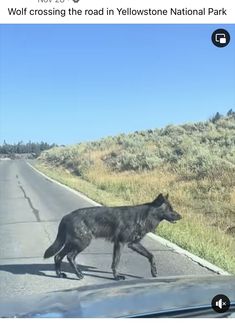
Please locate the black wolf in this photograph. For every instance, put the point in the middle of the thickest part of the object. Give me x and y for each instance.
(120, 225)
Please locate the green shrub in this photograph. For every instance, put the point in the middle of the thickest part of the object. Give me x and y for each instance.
(125, 161)
(194, 150)
(204, 164)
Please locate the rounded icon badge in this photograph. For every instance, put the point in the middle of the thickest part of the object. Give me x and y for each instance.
(220, 303)
(220, 38)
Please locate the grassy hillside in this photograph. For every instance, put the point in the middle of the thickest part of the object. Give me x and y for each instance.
(194, 163)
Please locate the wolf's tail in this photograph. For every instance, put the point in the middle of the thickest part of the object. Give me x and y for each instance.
(59, 242)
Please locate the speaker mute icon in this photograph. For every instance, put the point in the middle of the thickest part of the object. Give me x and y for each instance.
(220, 303)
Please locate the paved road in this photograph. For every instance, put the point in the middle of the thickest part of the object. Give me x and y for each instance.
(31, 207)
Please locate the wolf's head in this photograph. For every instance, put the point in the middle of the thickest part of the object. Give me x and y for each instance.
(165, 211)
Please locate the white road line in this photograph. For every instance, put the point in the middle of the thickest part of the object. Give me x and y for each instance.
(191, 256)
(155, 237)
(66, 187)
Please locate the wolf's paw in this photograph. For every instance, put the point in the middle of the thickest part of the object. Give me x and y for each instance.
(80, 276)
(154, 270)
(62, 275)
(119, 277)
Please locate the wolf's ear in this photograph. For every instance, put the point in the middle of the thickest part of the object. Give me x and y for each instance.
(159, 200)
(160, 197)
(167, 196)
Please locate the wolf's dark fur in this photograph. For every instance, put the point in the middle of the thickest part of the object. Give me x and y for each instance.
(120, 225)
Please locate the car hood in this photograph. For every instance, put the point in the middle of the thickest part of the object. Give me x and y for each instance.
(161, 296)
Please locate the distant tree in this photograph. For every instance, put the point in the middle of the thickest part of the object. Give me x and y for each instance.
(231, 113)
(216, 117)
(21, 148)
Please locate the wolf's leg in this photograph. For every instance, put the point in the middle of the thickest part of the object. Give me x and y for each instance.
(58, 259)
(139, 248)
(71, 258)
(78, 246)
(116, 258)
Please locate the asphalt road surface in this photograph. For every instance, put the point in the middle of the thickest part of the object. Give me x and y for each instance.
(31, 207)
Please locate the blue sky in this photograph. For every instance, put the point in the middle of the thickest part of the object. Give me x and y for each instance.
(74, 83)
